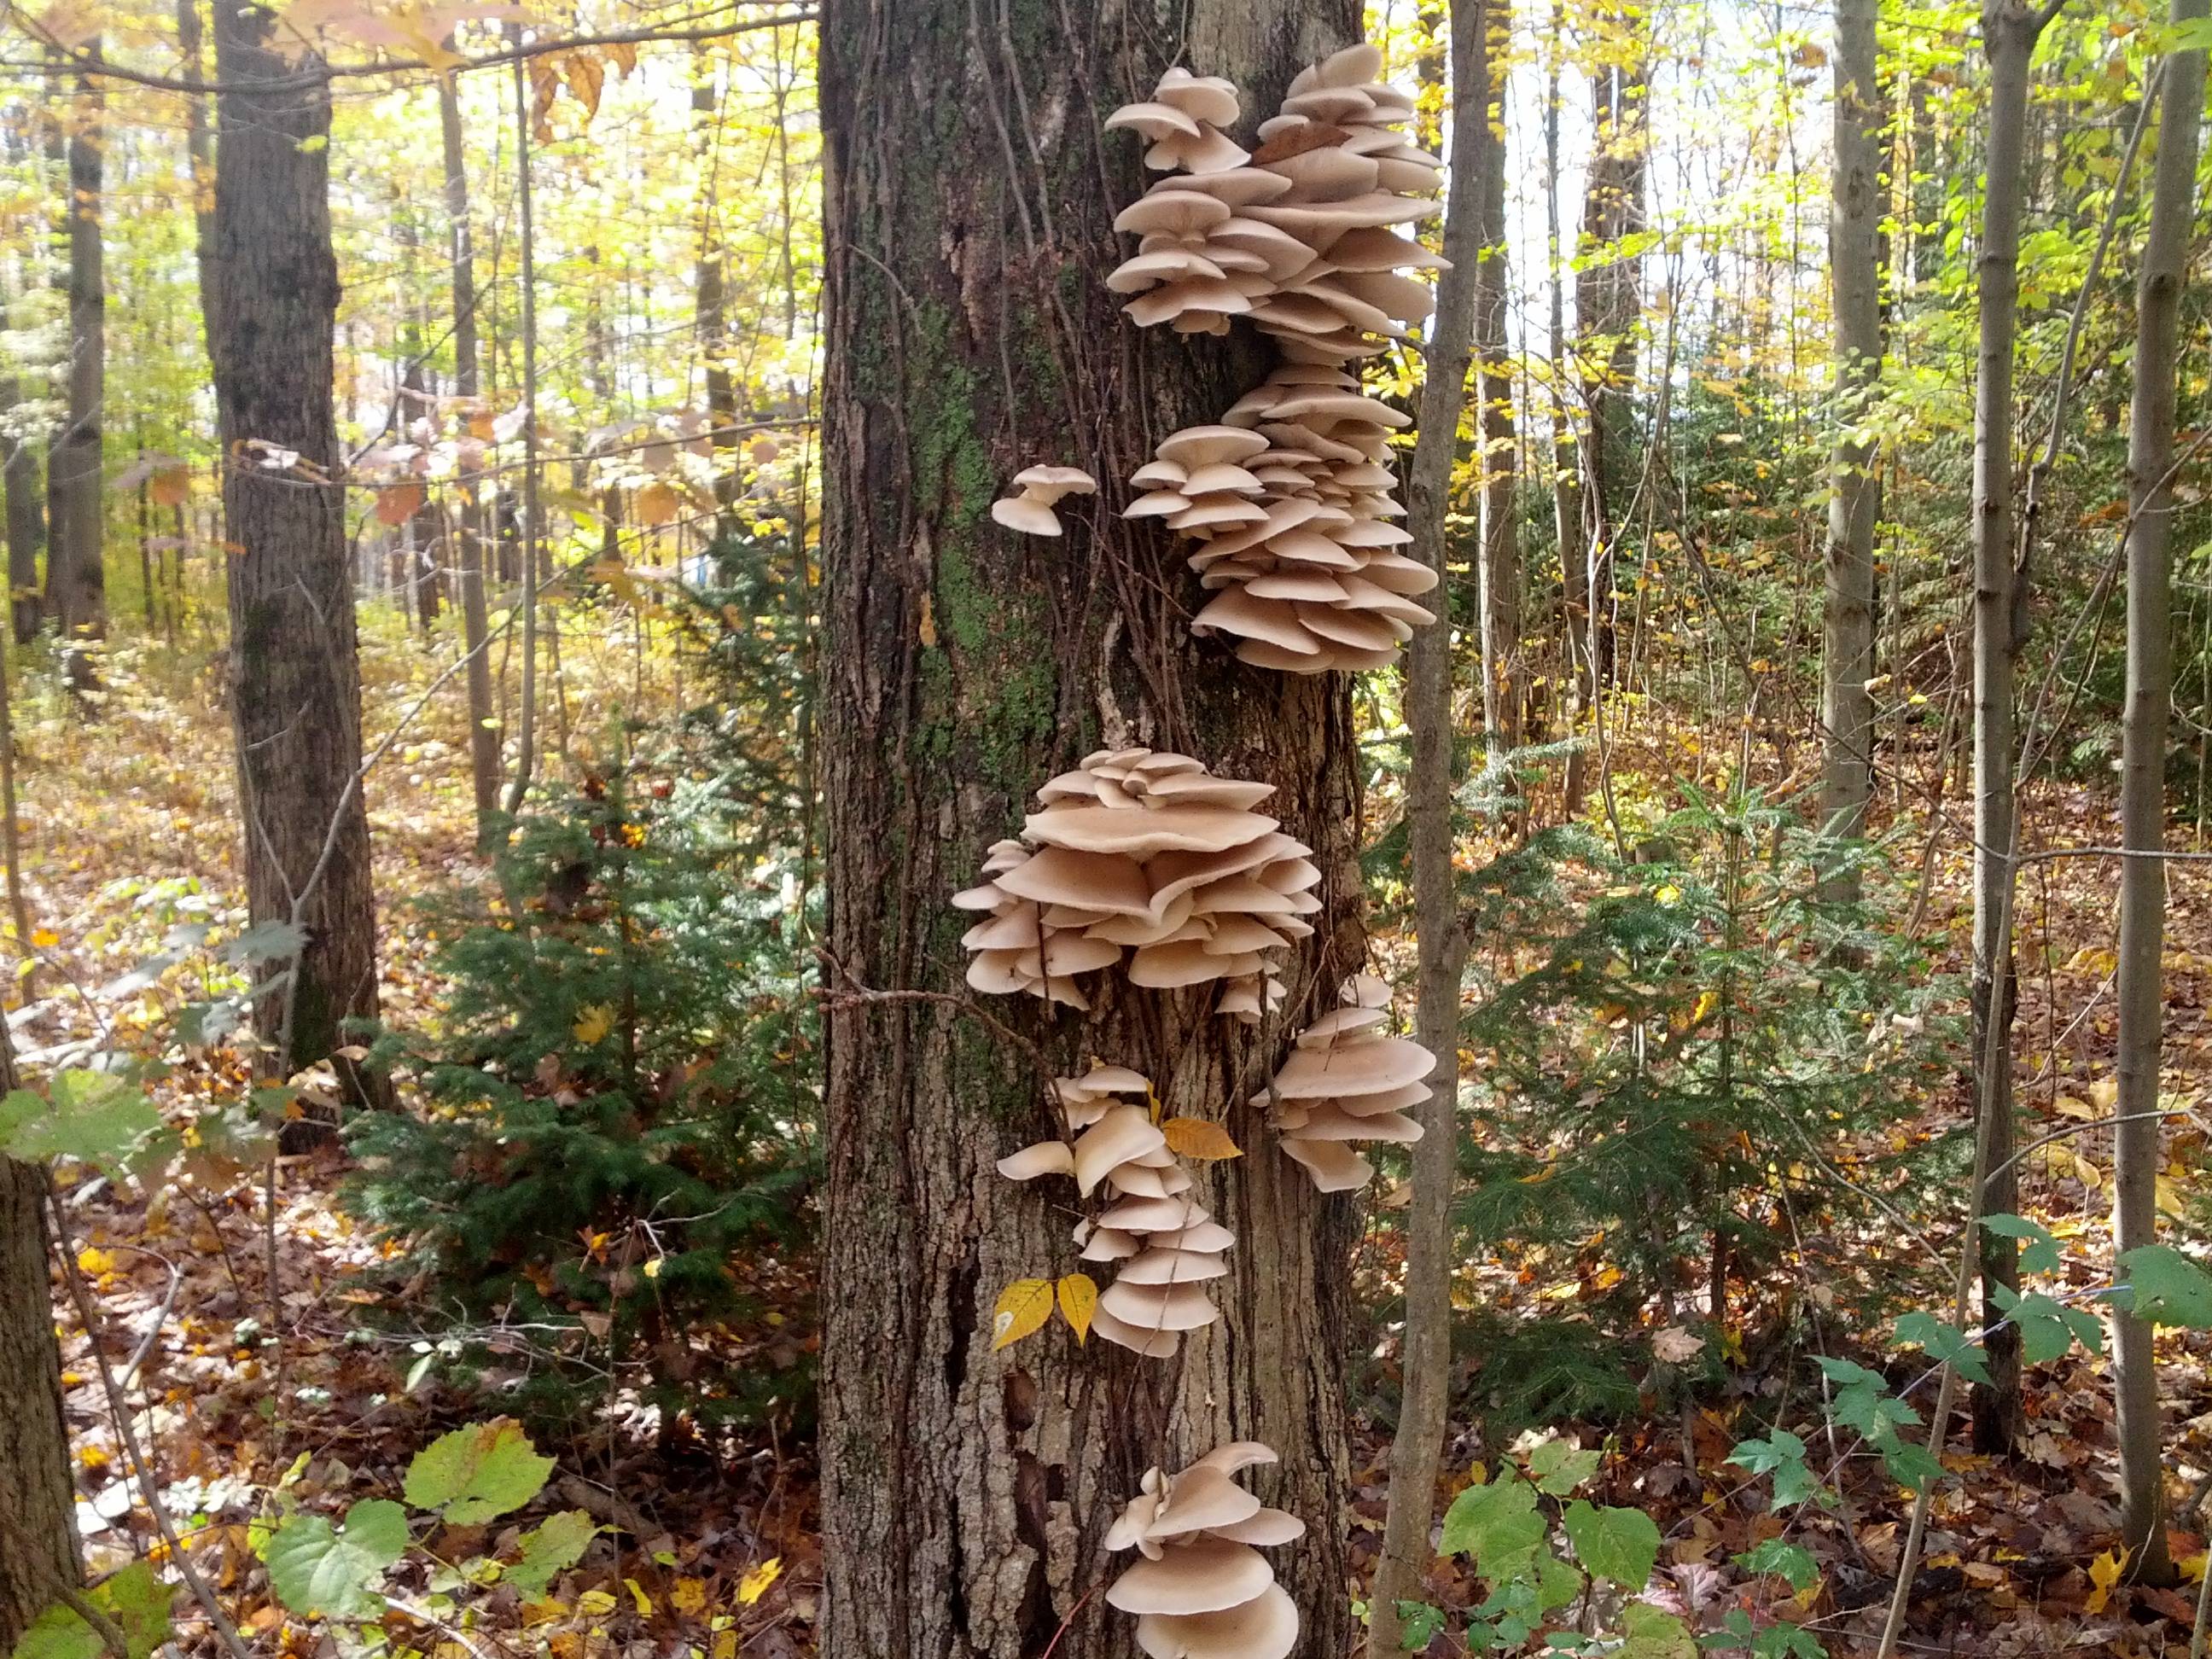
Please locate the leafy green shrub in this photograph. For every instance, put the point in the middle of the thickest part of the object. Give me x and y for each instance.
(615, 1118)
(1699, 1074)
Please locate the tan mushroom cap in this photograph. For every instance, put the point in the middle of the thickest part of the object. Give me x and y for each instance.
(1046, 1157)
(1150, 1343)
(1123, 1133)
(1334, 1167)
(1207, 98)
(1263, 1527)
(1154, 1266)
(1205, 1575)
(1158, 1307)
(1153, 120)
(1265, 1627)
(1347, 1068)
(1196, 447)
(1199, 1499)
(1027, 514)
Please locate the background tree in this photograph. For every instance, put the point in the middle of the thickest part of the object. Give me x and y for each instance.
(271, 307)
(970, 335)
(77, 580)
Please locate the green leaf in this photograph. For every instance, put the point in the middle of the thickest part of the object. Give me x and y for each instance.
(2039, 1254)
(476, 1473)
(552, 1547)
(1782, 1455)
(1910, 1463)
(1620, 1544)
(2164, 1287)
(1785, 1561)
(90, 1116)
(1560, 1467)
(1557, 1584)
(314, 1568)
(2047, 1327)
(267, 941)
(135, 1598)
(1419, 1625)
(1944, 1343)
(1787, 1641)
(1493, 1523)
(1652, 1634)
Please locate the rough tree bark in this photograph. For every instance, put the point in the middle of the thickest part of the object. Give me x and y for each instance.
(970, 196)
(2141, 989)
(2009, 31)
(1425, 1362)
(711, 302)
(26, 519)
(76, 579)
(483, 727)
(1566, 465)
(38, 1507)
(295, 679)
(1505, 672)
(1854, 498)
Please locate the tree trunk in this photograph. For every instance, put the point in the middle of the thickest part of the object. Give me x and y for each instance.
(295, 696)
(2009, 36)
(27, 521)
(525, 724)
(483, 729)
(711, 301)
(1425, 1361)
(1855, 497)
(2141, 989)
(38, 1506)
(1566, 465)
(199, 137)
(1504, 674)
(969, 200)
(76, 579)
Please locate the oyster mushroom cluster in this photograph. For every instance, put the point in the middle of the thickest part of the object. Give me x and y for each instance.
(1141, 851)
(1037, 490)
(1345, 1081)
(1296, 235)
(1289, 501)
(1167, 1244)
(1200, 1589)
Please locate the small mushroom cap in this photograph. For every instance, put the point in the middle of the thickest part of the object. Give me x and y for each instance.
(1049, 483)
(1108, 1080)
(1203, 1576)
(1109, 1244)
(1232, 1455)
(1200, 1499)
(1364, 1068)
(1150, 1344)
(1134, 275)
(1155, 1215)
(1196, 447)
(1141, 834)
(1263, 1527)
(1158, 1307)
(1210, 151)
(1208, 1237)
(1153, 120)
(1334, 1167)
(1069, 875)
(1124, 1132)
(1184, 213)
(1265, 1627)
(1206, 97)
(1158, 1266)
(1046, 1157)
(1026, 515)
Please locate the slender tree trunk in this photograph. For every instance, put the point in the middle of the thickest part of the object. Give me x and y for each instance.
(483, 727)
(2009, 31)
(1424, 1361)
(1566, 464)
(1504, 673)
(1855, 497)
(525, 724)
(2141, 989)
(199, 137)
(271, 303)
(712, 305)
(38, 1506)
(26, 519)
(76, 575)
(967, 1492)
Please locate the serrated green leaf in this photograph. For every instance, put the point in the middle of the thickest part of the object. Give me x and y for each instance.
(1651, 1634)
(477, 1473)
(1910, 1463)
(2164, 1287)
(1557, 1584)
(1559, 1468)
(1492, 1522)
(314, 1568)
(135, 1598)
(1786, 1561)
(1944, 1343)
(1782, 1455)
(1620, 1544)
(2040, 1248)
(553, 1546)
(88, 1116)
(1787, 1641)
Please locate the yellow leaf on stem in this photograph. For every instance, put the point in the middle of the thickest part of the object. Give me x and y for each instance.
(1078, 1300)
(1024, 1306)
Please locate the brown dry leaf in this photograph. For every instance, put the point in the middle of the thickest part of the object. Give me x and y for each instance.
(397, 504)
(1199, 1137)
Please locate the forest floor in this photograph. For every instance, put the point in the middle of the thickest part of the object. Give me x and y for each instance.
(130, 826)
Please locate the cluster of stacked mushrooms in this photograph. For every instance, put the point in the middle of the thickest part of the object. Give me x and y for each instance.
(1346, 1079)
(1199, 1588)
(1168, 1244)
(1144, 859)
(1147, 853)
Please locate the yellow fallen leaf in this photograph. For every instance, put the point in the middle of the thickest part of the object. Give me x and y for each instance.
(2192, 1567)
(689, 1596)
(1078, 1300)
(1199, 1138)
(596, 1602)
(592, 1023)
(1023, 1307)
(637, 1594)
(2104, 1573)
(754, 1585)
(44, 938)
(91, 1260)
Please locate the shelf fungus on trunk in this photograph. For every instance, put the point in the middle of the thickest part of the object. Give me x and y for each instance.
(1290, 500)
(1200, 1588)
(1037, 491)
(1168, 1244)
(1347, 1080)
(1147, 853)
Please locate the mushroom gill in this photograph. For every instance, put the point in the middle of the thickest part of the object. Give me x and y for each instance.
(1347, 1080)
(1168, 1244)
(1199, 1588)
(1143, 853)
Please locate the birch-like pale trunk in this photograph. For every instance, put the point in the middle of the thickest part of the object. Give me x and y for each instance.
(2141, 987)
(1425, 1362)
